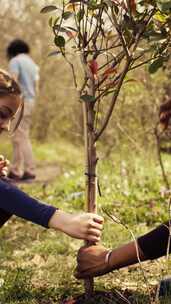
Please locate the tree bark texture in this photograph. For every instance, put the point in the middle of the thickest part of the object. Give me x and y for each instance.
(90, 170)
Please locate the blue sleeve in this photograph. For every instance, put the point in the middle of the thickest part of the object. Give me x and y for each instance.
(14, 201)
(14, 68)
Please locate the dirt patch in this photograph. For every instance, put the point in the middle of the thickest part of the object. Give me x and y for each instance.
(113, 297)
(44, 174)
(47, 173)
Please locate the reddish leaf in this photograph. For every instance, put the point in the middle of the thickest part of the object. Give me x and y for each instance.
(93, 65)
(165, 114)
(71, 34)
(132, 6)
(109, 71)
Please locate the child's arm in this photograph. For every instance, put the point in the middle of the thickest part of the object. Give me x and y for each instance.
(86, 226)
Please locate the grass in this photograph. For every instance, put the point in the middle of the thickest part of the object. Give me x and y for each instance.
(37, 264)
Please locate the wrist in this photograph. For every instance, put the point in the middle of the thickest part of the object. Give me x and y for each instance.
(58, 220)
(107, 257)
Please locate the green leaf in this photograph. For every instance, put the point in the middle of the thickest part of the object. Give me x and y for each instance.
(164, 5)
(72, 28)
(155, 35)
(59, 41)
(56, 20)
(59, 28)
(155, 65)
(80, 15)
(87, 98)
(48, 9)
(54, 53)
(140, 8)
(74, 1)
(94, 6)
(50, 21)
(109, 92)
(66, 15)
(160, 17)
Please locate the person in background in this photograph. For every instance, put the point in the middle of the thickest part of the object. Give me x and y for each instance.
(85, 226)
(26, 72)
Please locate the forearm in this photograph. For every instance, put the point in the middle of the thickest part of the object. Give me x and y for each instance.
(85, 226)
(14, 201)
(58, 220)
(125, 255)
(150, 246)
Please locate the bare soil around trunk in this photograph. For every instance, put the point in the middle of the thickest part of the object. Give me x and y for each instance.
(111, 297)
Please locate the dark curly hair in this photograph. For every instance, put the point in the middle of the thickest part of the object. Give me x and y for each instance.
(17, 47)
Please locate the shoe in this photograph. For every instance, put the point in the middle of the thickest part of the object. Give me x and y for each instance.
(27, 176)
(13, 176)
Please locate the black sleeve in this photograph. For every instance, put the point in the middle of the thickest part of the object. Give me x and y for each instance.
(4, 217)
(154, 244)
(15, 201)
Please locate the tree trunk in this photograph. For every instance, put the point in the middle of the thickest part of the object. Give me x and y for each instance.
(90, 170)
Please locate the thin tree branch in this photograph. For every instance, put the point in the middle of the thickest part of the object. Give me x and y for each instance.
(114, 98)
(122, 38)
(144, 62)
(139, 35)
(165, 179)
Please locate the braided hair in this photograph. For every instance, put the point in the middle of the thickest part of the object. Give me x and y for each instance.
(10, 87)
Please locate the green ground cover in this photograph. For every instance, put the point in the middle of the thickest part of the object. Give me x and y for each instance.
(37, 264)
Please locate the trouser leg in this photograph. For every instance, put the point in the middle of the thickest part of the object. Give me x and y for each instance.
(29, 165)
(18, 158)
(22, 148)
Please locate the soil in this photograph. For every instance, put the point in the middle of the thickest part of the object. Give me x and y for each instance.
(102, 297)
(43, 175)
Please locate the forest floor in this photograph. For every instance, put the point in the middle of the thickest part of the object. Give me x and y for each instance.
(37, 265)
